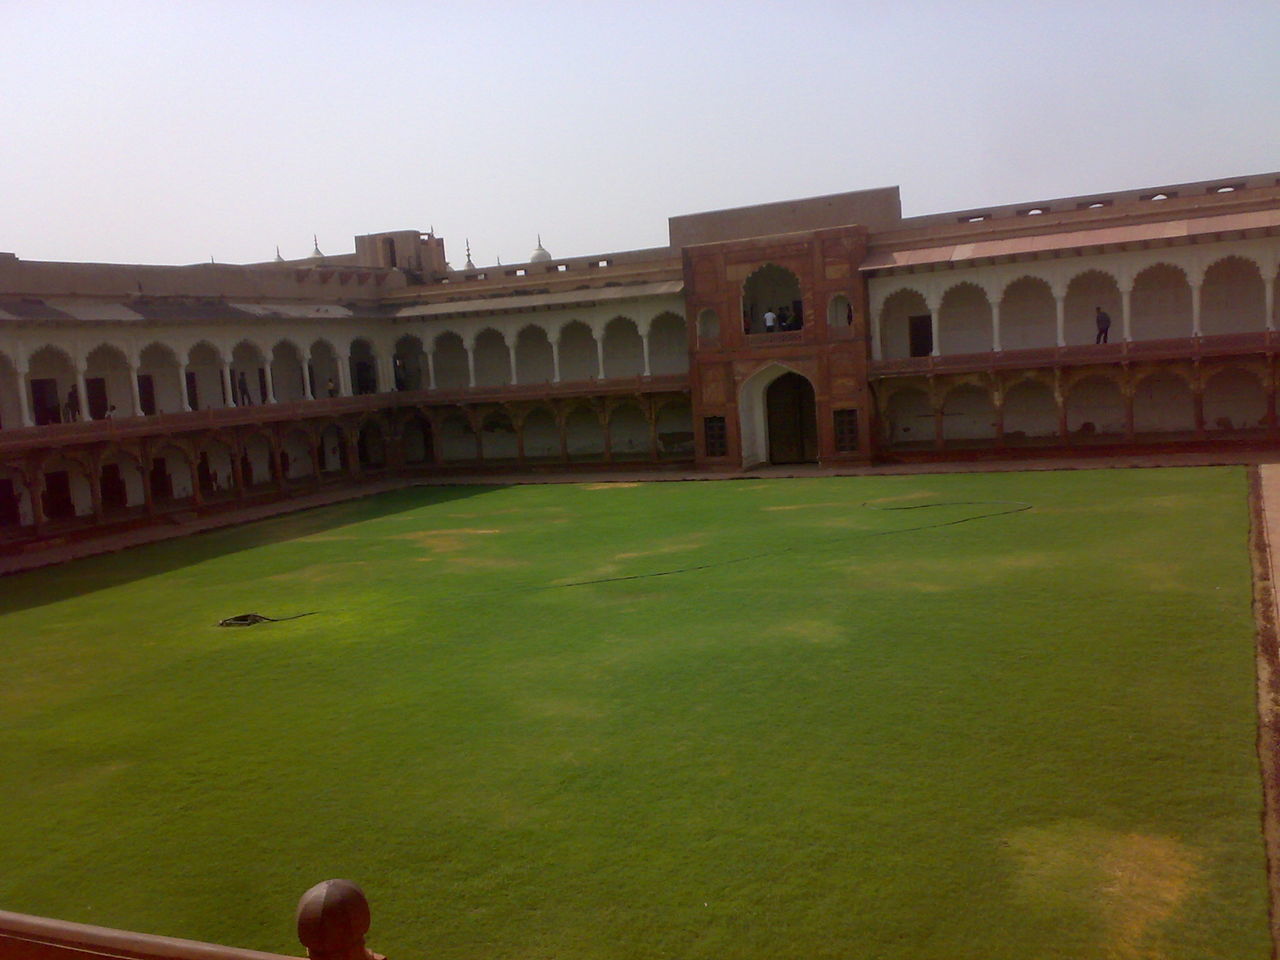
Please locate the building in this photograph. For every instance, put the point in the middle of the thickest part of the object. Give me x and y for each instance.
(830, 329)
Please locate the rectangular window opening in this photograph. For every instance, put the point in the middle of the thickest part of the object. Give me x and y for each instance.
(846, 426)
(715, 436)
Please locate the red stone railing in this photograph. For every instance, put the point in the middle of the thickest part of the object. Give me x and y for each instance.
(1180, 348)
(333, 918)
(58, 434)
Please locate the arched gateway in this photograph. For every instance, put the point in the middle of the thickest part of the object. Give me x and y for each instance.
(779, 418)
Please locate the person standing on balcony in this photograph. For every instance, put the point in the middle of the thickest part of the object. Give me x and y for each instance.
(243, 390)
(1103, 320)
(770, 321)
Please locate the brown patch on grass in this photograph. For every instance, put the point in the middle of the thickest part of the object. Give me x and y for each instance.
(336, 572)
(444, 541)
(914, 495)
(485, 563)
(814, 631)
(1134, 883)
(614, 485)
(679, 546)
(843, 504)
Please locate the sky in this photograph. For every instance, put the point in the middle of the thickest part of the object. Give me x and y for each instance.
(149, 132)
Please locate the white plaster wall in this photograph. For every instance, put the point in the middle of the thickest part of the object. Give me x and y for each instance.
(129, 473)
(1096, 401)
(331, 444)
(964, 321)
(968, 414)
(894, 317)
(498, 442)
(299, 451)
(258, 451)
(1160, 306)
(1234, 400)
(1163, 404)
(1028, 315)
(541, 435)
(675, 430)
(623, 349)
(910, 417)
(457, 442)
(629, 434)
(668, 346)
(1029, 409)
(584, 433)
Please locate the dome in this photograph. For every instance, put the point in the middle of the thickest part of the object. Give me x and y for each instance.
(539, 255)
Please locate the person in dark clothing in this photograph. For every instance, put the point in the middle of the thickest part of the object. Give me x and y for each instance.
(243, 391)
(1103, 320)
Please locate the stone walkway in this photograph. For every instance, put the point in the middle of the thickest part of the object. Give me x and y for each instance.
(61, 550)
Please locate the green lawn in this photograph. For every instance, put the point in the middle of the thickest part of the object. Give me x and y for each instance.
(828, 731)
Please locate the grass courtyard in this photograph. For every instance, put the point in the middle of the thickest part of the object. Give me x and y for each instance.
(746, 719)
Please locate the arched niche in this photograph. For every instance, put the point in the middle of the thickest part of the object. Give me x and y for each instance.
(493, 362)
(772, 289)
(535, 359)
(1028, 315)
(668, 345)
(1233, 298)
(623, 349)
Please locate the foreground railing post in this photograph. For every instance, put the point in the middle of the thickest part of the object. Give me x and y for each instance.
(333, 918)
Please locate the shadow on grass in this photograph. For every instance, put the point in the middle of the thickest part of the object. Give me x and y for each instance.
(35, 588)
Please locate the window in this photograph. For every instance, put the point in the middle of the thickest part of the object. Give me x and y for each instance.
(846, 424)
(715, 436)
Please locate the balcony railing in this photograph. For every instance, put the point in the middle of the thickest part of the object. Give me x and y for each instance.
(61, 434)
(1179, 348)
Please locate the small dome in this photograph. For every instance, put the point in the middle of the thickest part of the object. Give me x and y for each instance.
(539, 255)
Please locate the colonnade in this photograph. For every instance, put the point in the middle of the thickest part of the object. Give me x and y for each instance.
(1155, 294)
(83, 377)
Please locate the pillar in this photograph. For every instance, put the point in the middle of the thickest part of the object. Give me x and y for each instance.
(82, 393)
(182, 386)
(24, 397)
(995, 325)
(653, 434)
(564, 436)
(471, 365)
(645, 340)
(1060, 301)
(555, 361)
(271, 383)
(133, 390)
(343, 363)
(431, 369)
(607, 423)
(599, 356)
(308, 374)
(511, 360)
(1126, 325)
(95, 491)
(1196, 287)
(934, 307)
(1269, 289)
(228, 387)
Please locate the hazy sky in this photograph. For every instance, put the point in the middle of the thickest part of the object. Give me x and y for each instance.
(173, 132)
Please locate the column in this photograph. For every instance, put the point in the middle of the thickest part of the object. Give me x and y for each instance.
(95, 491)
(24, 397)
(1195, 306)
(1270, 288)
(431, 369)
(995, 325)
(1197, 399)
(608, 438)
(471, 365)
(874, 318)
(511, 359)
(644, 339)
(133, 390)
(343, 364)
(308, 374)
(1126, 325)
(271, 383)
(934, 306)
(182, 386)
(82, 393)
(653, 435)
(599, 356)
(1060, 301)
(227, 385)
(555, 361)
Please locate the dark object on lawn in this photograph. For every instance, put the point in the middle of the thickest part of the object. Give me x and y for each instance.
(249, 619)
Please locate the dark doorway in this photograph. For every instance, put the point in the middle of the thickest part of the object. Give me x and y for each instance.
(95, 389)
(920, 332)
(366, 380)
(793, 421)
(147, 394)
(161, 482)
(115, 496)
(193, 391)
(262, 383)
(9, 513)
(45, 402)
(58, 504)
(204, 475)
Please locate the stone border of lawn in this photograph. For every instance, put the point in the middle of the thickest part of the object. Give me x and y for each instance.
(1264, 544)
